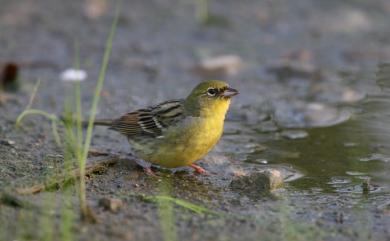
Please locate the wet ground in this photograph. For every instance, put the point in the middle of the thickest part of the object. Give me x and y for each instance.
(313, 104)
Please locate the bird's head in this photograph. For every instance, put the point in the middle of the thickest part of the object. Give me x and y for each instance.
(210, 98)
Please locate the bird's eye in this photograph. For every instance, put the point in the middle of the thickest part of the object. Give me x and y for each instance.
(211, 92)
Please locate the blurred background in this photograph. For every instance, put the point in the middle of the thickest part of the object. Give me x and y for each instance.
(313, 77)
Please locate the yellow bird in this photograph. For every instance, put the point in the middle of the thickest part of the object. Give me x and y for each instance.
(177, 133)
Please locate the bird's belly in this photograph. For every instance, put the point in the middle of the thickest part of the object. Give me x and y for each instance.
(184, 146)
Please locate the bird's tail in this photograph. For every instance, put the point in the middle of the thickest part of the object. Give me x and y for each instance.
(102, 122)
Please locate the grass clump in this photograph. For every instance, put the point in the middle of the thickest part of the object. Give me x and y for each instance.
(182, 203)
(76, 143)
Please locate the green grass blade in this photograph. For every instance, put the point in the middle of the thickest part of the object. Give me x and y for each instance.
(95, 101)
(67, 217)
(79, 118)
(99, 86)
(49, 116)
(47, 219)
(166, 213)
(33, 94)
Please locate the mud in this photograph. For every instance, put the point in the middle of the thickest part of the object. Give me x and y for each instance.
(309, 69)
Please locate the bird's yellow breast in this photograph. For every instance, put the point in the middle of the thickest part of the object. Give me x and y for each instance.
(186, 143)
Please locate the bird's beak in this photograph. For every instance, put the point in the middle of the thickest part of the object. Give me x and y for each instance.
(229, 92)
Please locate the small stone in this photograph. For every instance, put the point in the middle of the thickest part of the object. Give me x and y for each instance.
(261, 161)
(254, 147)
(375, 157)
(220, 65)
(11, 142)
(257, 182)
(111, 204)
(7, 142)
(351, 96)
(303, 115)
(353, 173)
(294, 134)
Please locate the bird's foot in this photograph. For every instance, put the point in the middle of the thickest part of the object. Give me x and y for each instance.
(199, 169)
(149, 172)
(146, 166)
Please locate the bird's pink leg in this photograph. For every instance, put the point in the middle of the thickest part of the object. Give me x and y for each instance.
(146, 166)
(149, 171)
(198, 169)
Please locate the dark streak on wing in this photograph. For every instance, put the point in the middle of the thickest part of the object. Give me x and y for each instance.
(150, 121)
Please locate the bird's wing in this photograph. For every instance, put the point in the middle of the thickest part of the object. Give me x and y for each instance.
(151, 121)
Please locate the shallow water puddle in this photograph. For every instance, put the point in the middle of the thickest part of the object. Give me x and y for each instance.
(334, 158)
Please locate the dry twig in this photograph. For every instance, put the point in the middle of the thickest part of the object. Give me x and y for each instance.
(97, 166)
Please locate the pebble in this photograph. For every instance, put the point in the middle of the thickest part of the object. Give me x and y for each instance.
(375, 157)
(7, 142)
(303, 115)
(353, 173)
(220, 65)
(254, 147)
(261, 161)
(352, 96)
(258, 182)
(294, 134)
(111, 204)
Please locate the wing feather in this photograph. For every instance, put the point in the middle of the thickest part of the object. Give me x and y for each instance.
(151, 121)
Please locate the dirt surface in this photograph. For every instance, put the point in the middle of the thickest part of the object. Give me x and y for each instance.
(308, 107)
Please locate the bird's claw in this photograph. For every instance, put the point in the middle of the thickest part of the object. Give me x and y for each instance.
(199, 169)
(149, 172)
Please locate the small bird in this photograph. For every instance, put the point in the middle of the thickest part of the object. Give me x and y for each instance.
(177, 133)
